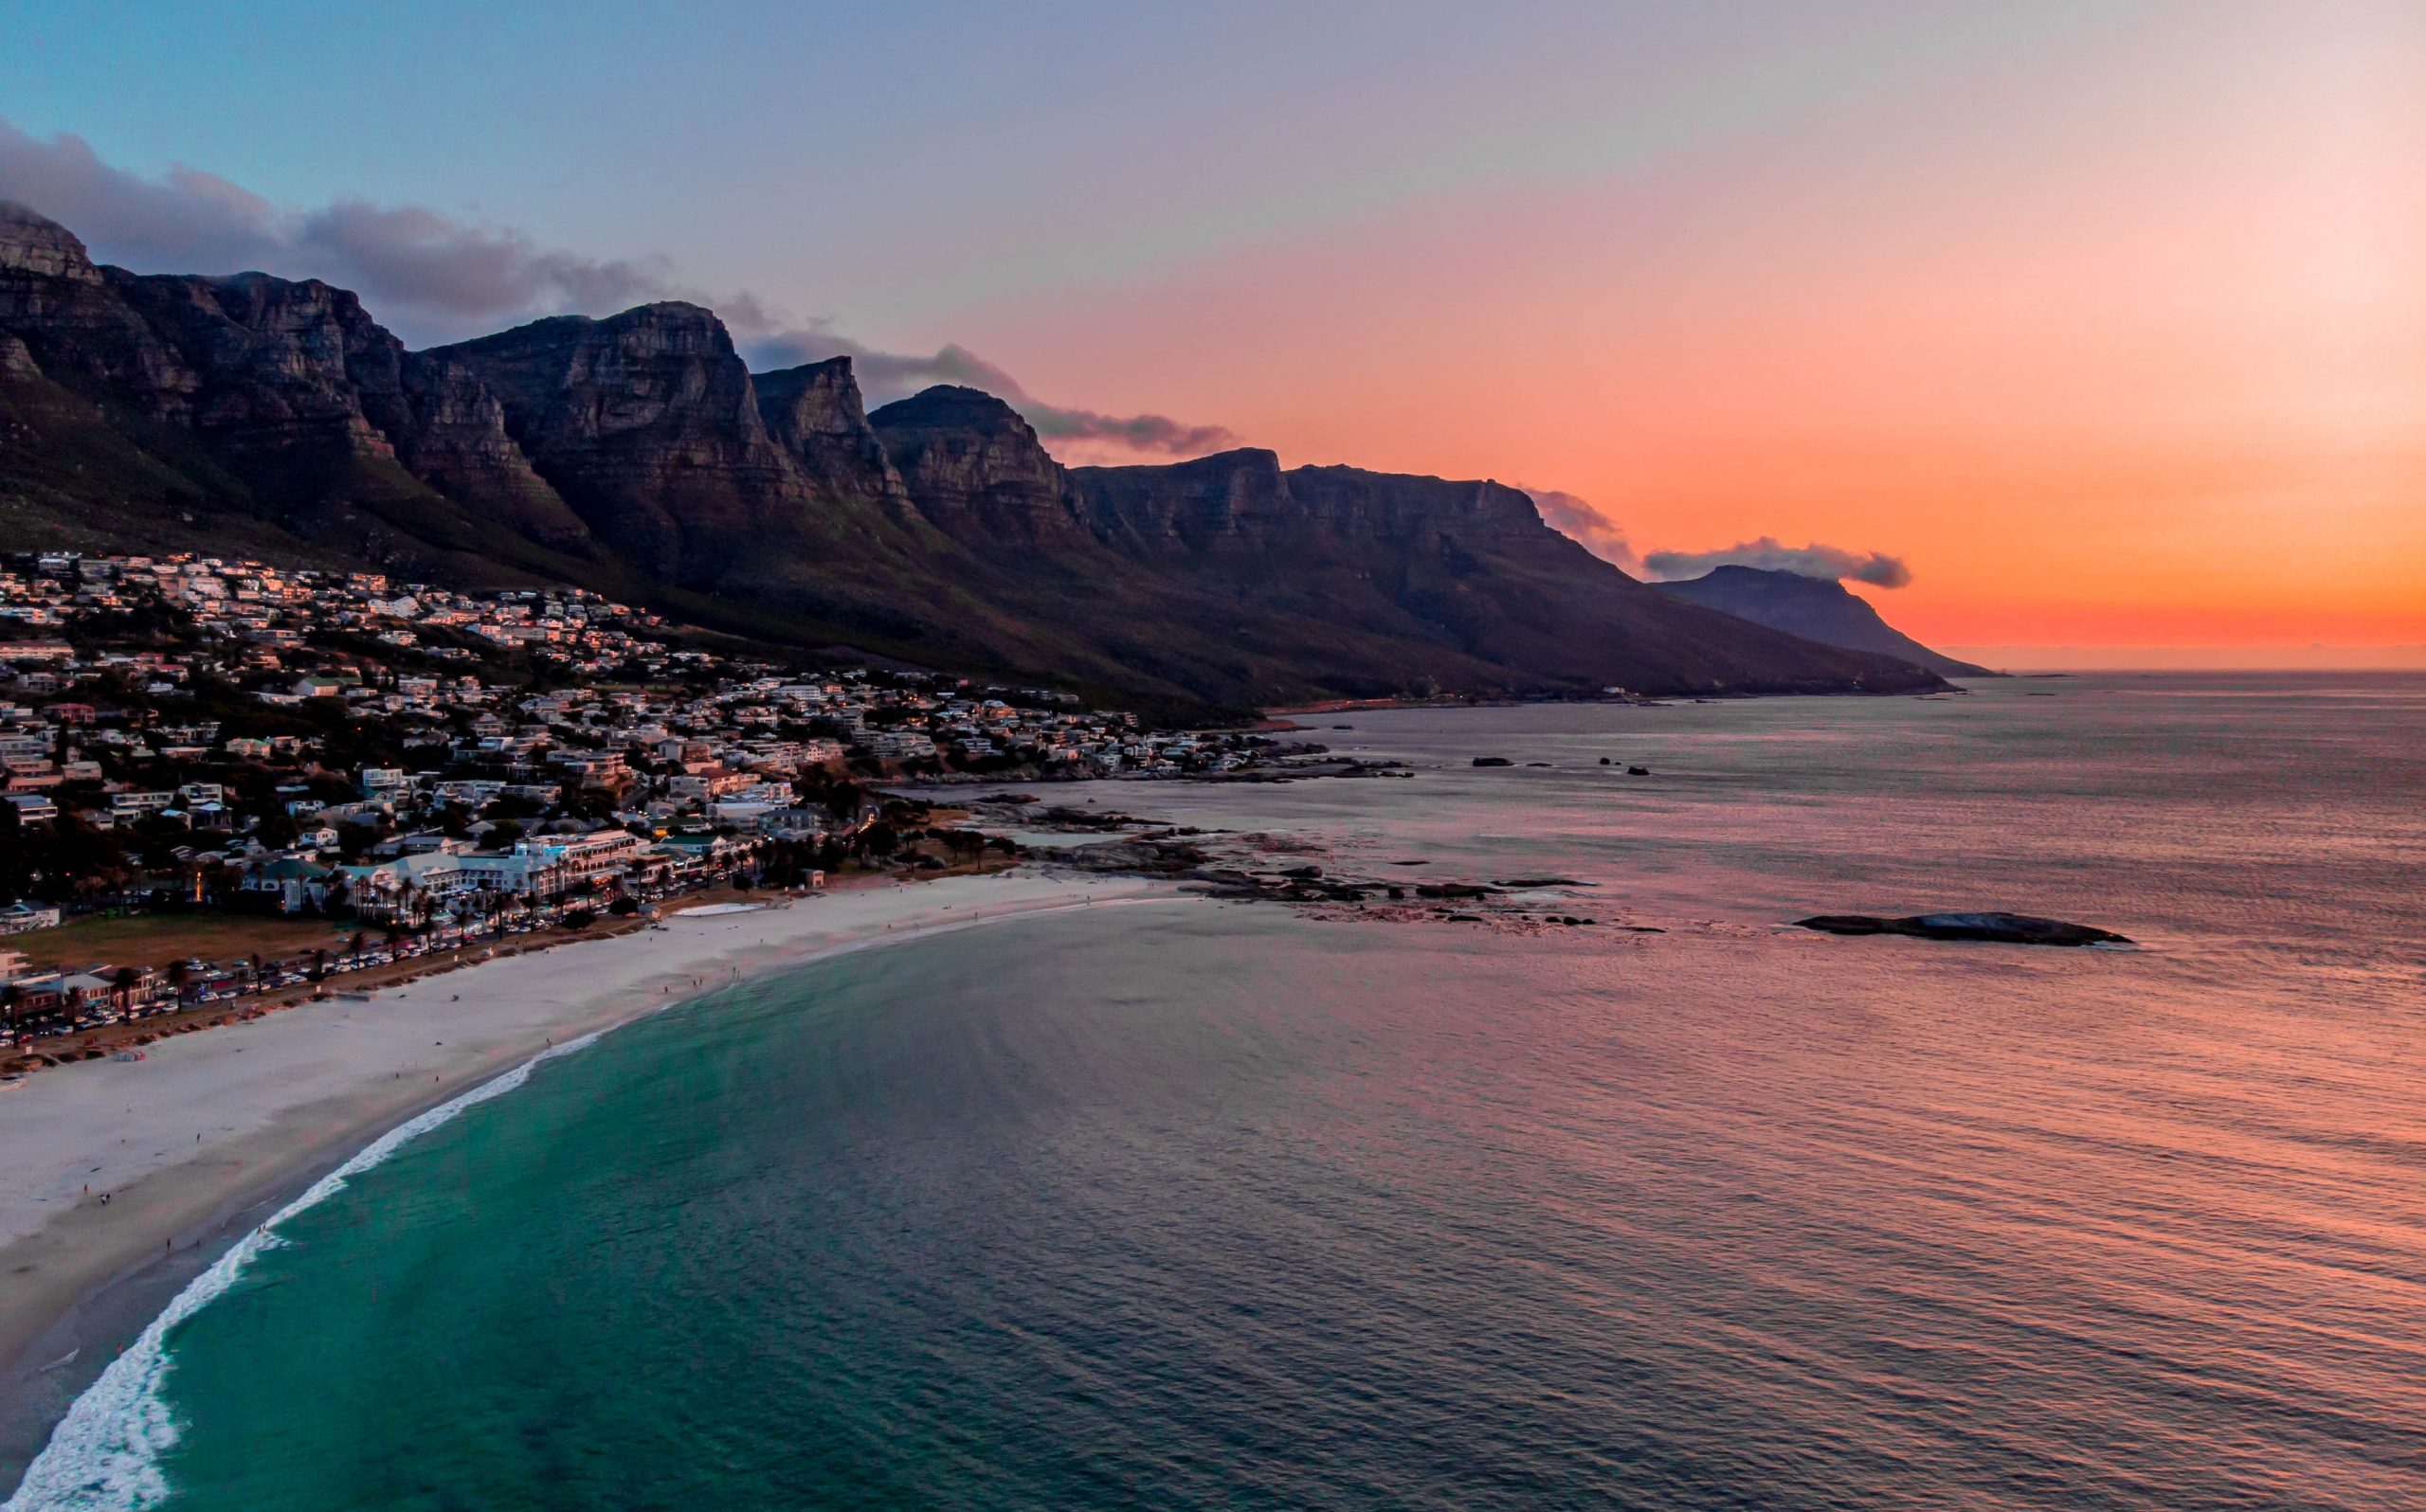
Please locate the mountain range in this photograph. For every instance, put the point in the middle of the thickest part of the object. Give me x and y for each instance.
(638, 455)
(1820, 609)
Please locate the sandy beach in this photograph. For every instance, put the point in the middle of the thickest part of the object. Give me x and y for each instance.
(121, 1177)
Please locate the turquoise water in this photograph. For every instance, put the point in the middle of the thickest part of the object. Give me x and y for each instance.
(1191, 1205)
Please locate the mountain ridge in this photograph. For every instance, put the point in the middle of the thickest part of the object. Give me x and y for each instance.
(635, 454)
(1821, 609)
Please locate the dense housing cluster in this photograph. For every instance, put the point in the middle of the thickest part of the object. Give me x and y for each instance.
(197, 733)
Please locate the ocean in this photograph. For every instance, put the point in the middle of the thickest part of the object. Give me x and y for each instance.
(1191, 1204)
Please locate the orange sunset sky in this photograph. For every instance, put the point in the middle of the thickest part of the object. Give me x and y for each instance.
(2119, 344)
(2109, 320)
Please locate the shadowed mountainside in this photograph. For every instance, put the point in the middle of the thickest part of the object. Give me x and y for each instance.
(638, 455)
(1814, 608)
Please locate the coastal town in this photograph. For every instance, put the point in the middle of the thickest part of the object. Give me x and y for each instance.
(422, 769)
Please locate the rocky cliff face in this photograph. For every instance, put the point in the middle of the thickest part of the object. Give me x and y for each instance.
(296, 399)
(274, 361)
(450, 431)
(814, 414)
(1242, 501)
(78, 328)
(1352, 502)
(1233, 499)
(39, 247)
(975, 468)
(638, 453)
(648, 424)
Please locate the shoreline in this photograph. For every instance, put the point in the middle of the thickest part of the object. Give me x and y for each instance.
(191, 1146)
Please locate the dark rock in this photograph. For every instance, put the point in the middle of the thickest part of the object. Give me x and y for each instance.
(648, 424)
(2007, 928)
(1455, 890)
(1492, 760)
(1078, 819)
(1142, 857)
(814, 414)
(975, 468)
(450, 431)
(1637, 772)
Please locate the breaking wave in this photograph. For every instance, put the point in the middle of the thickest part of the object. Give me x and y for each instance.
(106, 1454)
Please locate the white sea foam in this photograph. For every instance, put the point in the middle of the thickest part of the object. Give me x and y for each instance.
(106, 1453)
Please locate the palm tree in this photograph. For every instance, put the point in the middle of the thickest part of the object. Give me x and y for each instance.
(180, 976)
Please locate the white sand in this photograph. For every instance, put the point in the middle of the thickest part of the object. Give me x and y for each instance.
(213, 1122)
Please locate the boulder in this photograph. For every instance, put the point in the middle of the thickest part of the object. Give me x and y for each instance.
(2003, 929)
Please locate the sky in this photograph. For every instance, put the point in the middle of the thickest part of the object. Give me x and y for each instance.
(2068, 330)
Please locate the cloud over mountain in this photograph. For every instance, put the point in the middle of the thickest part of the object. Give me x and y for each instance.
(1577, 519)
(437, 279)
(1812, 561)
(885, 376)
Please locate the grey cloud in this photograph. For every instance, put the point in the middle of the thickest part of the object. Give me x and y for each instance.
(1586, 525)
(421, 259)
(1143, 433)
(885, 376)
(1813, 560)
(432, 277)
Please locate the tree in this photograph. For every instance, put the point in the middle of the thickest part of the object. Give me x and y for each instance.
(276, 829)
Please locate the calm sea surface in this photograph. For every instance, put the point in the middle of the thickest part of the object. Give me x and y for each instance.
(1192, 1205)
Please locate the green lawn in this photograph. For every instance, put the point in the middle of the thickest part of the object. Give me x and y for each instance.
(157, 939)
